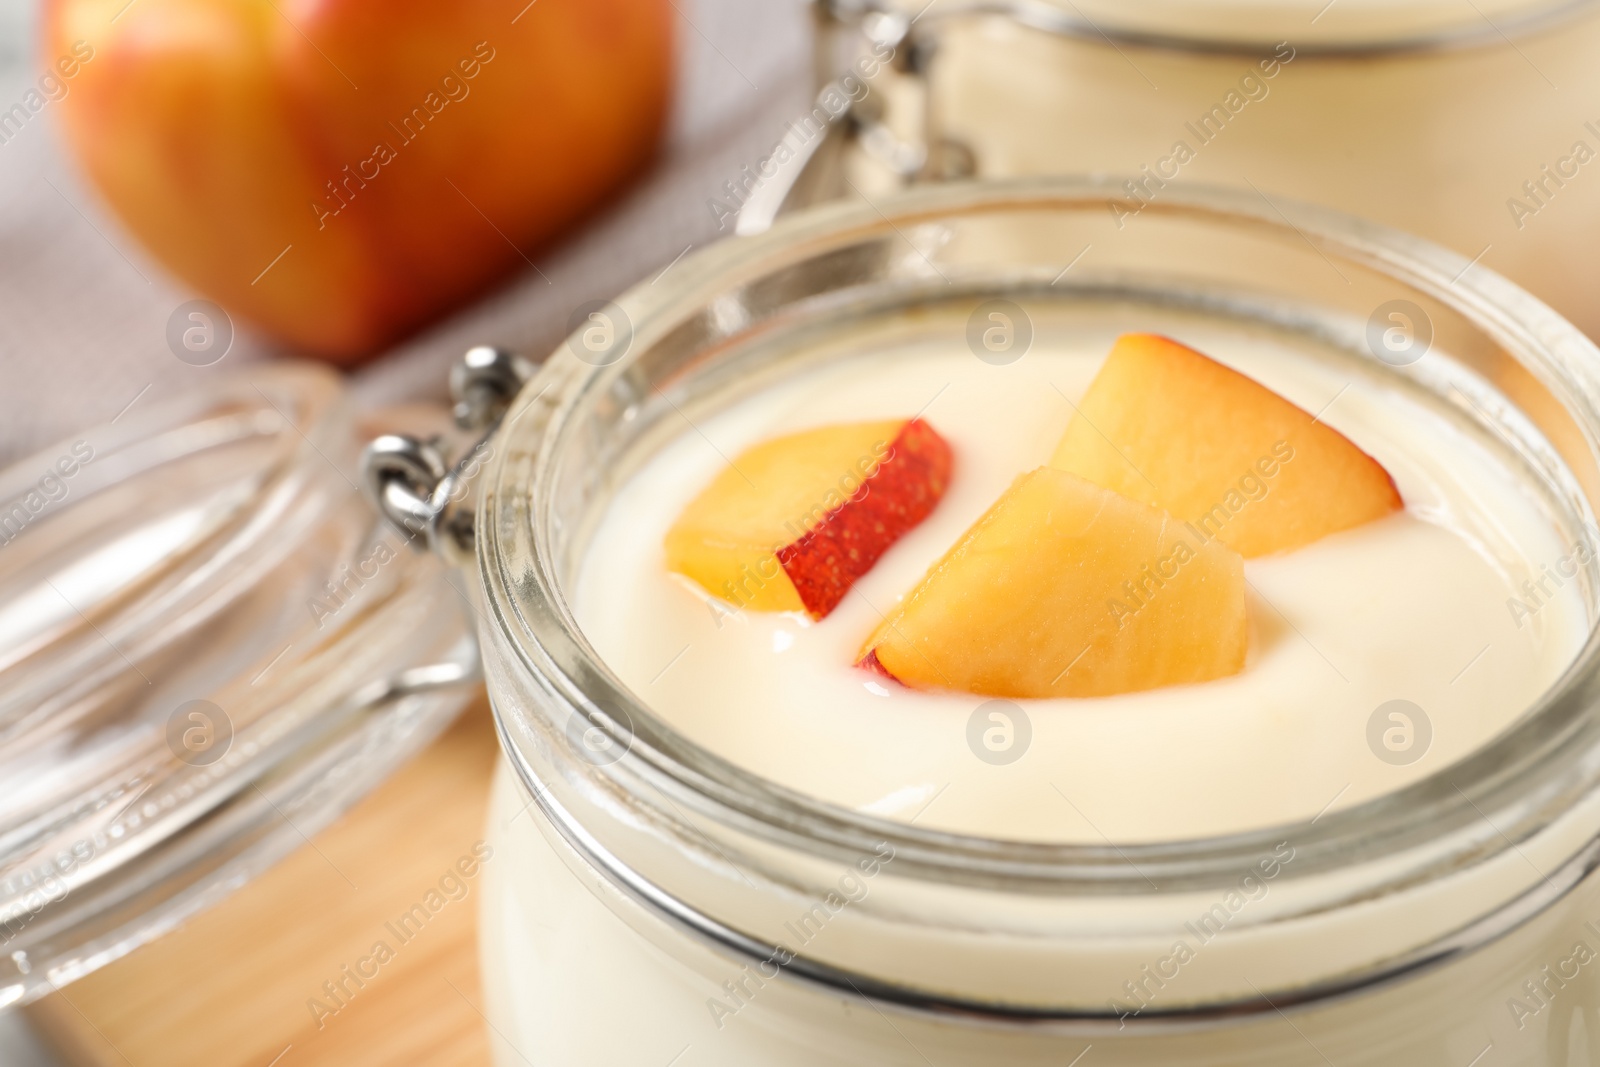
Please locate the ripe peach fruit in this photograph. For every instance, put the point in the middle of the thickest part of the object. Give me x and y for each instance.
(791, 524)
(1064, 588)
(340, 172)
(1166, 425)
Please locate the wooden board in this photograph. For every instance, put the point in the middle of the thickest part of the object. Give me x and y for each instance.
(233, 985)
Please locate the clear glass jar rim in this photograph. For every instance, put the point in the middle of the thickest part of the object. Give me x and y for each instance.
(1535, 770)
(1247, 26)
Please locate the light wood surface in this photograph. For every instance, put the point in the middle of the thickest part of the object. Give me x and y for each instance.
(232, 986)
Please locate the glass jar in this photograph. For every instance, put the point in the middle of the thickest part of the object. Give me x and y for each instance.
(1471, 124)
(652, 903)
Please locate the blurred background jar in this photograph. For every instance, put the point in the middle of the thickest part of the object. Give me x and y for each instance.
(1475, 123)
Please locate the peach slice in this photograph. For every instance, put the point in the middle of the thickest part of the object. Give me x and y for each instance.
(1064, 588)
(1166, 425)
(791, 523)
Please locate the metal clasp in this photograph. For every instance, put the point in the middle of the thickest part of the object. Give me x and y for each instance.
(411, 482)
(855, 40)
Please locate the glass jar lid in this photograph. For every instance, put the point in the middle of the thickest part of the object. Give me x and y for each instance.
(210, 646)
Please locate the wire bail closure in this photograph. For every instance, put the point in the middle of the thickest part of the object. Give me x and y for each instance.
(855, 39)
(409, 479)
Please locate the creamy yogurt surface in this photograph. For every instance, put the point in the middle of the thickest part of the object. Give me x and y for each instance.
(1417, 607)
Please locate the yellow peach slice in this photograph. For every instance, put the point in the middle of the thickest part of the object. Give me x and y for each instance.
(1064, 588)
(1166, 425)
(790, 524)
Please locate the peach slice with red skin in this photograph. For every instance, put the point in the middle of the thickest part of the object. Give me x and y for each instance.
(793, 522)
(1066, 589)
(1165, 425)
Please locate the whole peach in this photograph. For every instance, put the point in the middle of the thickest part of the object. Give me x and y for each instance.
(339, 172)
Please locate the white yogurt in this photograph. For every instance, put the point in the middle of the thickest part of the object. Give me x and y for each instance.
(1413, 608)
